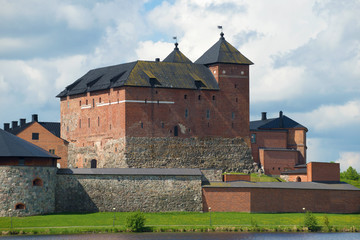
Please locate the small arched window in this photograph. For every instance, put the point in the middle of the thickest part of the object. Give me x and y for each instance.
(20, 206)
(176, 131)
(213, 98)
(298, 179)
(93, 163)
(185, 96)
(199, 97)
(80, 103)
(37, 182)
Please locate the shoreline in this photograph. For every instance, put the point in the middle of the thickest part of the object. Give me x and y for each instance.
(168, 229)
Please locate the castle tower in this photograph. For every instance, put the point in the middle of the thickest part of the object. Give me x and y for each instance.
(231, 70)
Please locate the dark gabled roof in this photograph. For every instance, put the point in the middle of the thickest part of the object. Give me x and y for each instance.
(144, 74)
(284, 185)
(53, 127)
(281, 122)
(223, 52)
(13, 146)
(132, 171)
(176, 56)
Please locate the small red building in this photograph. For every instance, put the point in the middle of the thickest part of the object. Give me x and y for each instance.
(278, 144)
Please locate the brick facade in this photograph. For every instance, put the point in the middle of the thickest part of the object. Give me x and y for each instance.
(267, 200)
(47, 141)
(320, 172)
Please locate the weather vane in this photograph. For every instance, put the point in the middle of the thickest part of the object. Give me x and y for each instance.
(175, 38)
(220, 27)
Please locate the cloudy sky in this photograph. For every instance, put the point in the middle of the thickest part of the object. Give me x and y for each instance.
(306, 55)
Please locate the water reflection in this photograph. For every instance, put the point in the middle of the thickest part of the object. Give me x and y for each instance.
(195, 236)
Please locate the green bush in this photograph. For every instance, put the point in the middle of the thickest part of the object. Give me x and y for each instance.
(311, 222)
(327, 223)
(136, 222)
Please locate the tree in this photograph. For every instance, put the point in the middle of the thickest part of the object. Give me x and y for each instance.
(350, 174)
(311, 222)
(136, 222)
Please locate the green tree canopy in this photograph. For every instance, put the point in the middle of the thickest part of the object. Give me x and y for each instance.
(350, 173)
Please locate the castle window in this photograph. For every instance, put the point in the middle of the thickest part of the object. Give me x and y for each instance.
(87, 102)
(20, 206)
(80, 103)
(162, 125)
(98, 121)
(298, 179)
(93, 163)
(21, 162)
(93, 103)
(67, 128)
(185, 96)
(232, 125)
(253, 138)
(208, 124)
(213, 98)
(158, 102)
(235, 86)
(199, 97)
(176, 131)
(68, 104)
(208, 114)
(236, 99)
(52, 151)
(99, 100)
(79, 123)
(156, 92)
(37, 182)
(233, 115)
(145, 100)
(88, 122)
(142, 125)
(110, 126)
(186, 113)
(35, 136)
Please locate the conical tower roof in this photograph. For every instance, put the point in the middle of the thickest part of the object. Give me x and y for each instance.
(13, 146)
(176, 56)
(223, 52)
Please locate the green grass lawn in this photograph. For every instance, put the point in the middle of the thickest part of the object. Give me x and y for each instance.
(176, 219)
(355, 183)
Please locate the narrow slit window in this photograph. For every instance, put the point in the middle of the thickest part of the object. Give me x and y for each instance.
(186, 113)
(208, 114)
(199, 97)
(185, 96)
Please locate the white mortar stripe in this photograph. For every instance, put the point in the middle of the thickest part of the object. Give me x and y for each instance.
(102, 104)
(85, 106)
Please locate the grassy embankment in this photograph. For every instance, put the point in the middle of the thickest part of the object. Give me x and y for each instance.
(173, 222)
(355, 183)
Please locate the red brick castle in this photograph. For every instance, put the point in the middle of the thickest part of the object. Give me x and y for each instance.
(173, 113)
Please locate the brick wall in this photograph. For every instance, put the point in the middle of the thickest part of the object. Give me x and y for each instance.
(280, 200)
(275, 161)
(294, 178)
(320, 172)
(46, 141)
(268, 139)
(236, 177)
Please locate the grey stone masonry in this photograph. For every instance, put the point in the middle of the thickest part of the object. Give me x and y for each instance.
(18, 189)
(149, 193)
(226, 154)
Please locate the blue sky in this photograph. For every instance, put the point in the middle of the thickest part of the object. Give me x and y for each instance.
(306, 55)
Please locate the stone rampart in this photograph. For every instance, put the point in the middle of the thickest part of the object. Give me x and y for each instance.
(227, 154)
(148, 193)
(27, 190)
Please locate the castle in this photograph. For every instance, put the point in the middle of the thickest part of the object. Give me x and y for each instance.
(157, 136)
(167, 114)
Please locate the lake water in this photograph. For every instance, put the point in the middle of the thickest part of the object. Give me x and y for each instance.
(196, 236)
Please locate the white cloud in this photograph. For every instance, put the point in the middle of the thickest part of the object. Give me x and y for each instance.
(328, 117)
(148, 50)
(76, 17)
(348, 159)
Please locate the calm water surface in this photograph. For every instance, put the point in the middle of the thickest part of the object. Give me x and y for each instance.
(197, 236)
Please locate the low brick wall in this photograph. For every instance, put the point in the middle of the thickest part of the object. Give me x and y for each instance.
(148, 193)
(17, 187)
(236, 177)
(275, 199)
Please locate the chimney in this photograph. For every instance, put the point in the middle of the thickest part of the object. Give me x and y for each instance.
(22, 122)
(14, 124)
(6, 126)
(34, 118)
(157, 59)
(263, 116)
(281, 119)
